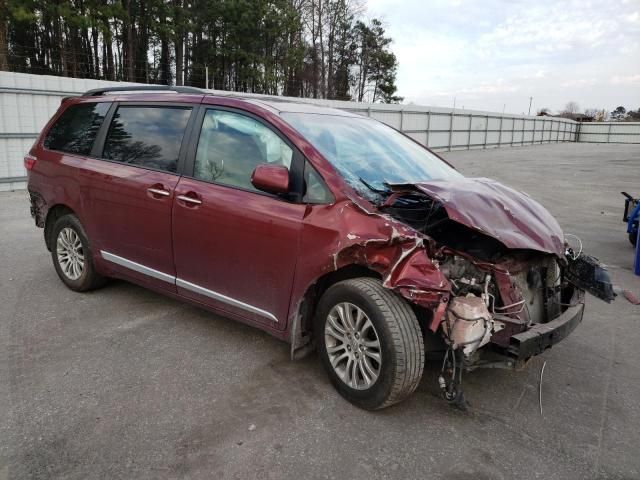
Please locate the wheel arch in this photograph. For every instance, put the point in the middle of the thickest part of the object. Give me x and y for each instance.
(53, 214)
(301, 330)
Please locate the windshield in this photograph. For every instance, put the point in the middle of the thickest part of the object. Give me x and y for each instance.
(367, 153)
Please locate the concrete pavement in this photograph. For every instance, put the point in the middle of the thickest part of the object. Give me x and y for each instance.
(124, 383)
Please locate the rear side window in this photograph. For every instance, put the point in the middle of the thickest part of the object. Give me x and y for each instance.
(148, 137)
(76, 129)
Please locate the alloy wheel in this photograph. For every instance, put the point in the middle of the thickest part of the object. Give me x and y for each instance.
(70, 253)
(353, 346)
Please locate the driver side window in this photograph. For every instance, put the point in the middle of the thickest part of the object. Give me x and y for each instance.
(232, 145)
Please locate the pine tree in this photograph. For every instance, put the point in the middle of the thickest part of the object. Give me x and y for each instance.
(315, 48)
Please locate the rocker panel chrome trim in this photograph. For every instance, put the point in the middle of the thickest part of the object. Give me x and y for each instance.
(224, 299)
(137, 267)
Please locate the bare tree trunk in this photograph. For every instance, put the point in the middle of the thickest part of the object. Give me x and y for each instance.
(334, 19)
(4, 46)
(119, 61)
(85, 54)
(96, 53)
(314, 51)
(179, 41)
(74, 47)
(179, 59)
(129, 43)
(110, 70)
(59, 45)
(364, 66)
(323, 67)
(105, 70)
(87, 57)
(165, 67)
(142, 43)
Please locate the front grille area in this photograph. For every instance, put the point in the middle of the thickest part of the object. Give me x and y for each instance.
(539, 284)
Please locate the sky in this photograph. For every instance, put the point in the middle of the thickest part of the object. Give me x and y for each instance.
(495, 54)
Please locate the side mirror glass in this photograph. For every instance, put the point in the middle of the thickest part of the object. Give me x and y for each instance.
(271, 178)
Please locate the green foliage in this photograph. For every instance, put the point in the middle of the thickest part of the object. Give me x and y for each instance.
(315, 48)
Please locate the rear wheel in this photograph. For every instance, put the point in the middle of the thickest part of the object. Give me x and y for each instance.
(370, 343)
(71, 255)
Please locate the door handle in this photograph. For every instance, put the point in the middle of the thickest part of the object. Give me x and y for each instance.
(187, 199)
(159, 191)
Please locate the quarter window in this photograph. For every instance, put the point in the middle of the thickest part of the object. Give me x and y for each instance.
(77, 128)
(231, 146)
(315, 189)
(148, 137)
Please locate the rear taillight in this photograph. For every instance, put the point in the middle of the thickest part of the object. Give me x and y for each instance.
(29, 162)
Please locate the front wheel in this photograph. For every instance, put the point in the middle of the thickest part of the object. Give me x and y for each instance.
(370, 343)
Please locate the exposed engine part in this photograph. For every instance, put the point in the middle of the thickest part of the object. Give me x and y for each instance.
(468, 324)
(540, 284)
(505, 310)
(588, 273)
(466, 278)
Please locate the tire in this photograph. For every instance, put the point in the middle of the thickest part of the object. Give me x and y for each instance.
(393, 323)
(633, 238)
(66, 231)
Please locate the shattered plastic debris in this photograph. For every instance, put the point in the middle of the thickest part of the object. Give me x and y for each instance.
(631, 297)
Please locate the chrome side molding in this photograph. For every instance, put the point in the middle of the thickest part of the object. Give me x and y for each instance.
(224, 299)
(137, 267)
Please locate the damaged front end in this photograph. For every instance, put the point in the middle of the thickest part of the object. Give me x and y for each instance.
(515, 286)
(487, 269)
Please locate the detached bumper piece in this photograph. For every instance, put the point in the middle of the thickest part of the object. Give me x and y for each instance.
(543, 335)
(589, 274)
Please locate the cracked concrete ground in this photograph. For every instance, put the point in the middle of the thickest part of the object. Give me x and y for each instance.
(125, 383)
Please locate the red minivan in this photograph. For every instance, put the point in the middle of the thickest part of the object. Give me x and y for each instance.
(324, 228)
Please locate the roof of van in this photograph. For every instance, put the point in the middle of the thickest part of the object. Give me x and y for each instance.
(287, 106)
(273, 103)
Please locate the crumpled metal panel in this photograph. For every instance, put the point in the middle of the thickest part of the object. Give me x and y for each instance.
(511, 217)
(365, 237)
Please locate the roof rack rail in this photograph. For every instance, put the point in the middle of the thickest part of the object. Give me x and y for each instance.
(142, 88)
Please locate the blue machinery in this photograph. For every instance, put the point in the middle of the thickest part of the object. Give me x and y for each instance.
(632, 219)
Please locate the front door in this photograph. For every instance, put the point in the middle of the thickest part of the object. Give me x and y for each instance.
(235, 248)
(130, 189)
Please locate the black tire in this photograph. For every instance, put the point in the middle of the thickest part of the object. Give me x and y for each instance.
(633, 238)
(399, 334)
(88, 279)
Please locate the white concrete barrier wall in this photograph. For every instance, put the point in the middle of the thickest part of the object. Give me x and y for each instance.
(28, 101)
(610, 132)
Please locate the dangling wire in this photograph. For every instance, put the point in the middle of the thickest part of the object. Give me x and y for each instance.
(575, 256)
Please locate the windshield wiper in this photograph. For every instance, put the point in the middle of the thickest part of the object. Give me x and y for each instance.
(385, 192)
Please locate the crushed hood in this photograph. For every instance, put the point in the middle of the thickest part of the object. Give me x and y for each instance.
(509, 216)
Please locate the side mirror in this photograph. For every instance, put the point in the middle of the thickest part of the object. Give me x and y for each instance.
(271, 178)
